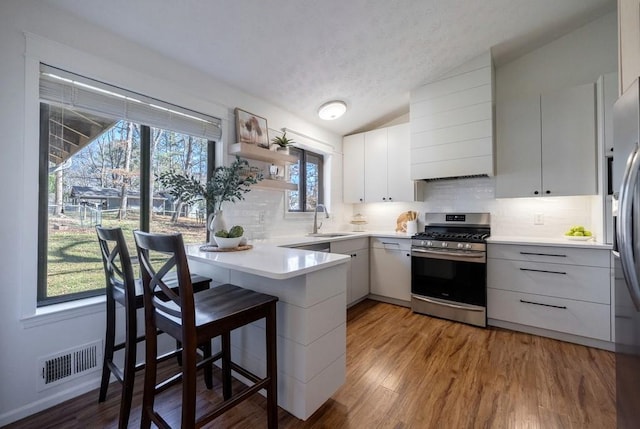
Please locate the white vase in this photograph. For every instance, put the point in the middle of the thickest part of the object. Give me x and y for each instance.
(215, 222)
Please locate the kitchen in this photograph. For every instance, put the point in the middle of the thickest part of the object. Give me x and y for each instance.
(570, 58)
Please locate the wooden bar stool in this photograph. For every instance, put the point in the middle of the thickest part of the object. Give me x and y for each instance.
(123, 288)
(192, 319)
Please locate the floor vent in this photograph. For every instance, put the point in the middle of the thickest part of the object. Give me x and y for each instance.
(69, 364)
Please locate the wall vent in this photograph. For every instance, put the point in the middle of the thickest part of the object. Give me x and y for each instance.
(69, 364)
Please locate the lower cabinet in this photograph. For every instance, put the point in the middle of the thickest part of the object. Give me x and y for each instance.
(358, 276)
(390, 268)
(561, 289)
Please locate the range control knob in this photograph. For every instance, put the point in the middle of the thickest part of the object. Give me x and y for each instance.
(429, 243)
(468, 246)
(445, 244)
(460, 245)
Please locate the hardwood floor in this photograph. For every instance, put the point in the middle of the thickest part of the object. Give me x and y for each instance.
(411, 371)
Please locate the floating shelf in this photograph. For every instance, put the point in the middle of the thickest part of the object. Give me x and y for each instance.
(252, 151)
(276, 184)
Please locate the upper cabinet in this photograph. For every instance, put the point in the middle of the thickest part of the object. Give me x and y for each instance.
(452, 123)
(546, 145)
(376, 166)
(629, 42)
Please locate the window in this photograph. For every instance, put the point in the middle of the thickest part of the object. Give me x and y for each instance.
(307, 173)
(101, 148)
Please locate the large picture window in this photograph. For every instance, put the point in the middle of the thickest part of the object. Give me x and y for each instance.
(307, 173)
(101, 148)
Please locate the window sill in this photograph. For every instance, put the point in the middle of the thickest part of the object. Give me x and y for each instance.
(64, 311)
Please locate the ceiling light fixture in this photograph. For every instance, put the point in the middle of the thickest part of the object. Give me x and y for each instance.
(332, 110)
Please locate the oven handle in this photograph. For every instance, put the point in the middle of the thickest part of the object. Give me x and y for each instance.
(446, 304)
(477, 257)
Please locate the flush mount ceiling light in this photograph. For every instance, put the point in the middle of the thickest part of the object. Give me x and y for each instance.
(332, 110)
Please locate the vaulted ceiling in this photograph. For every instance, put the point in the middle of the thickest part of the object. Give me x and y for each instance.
(298, 54)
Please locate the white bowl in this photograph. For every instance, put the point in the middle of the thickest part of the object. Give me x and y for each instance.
(227, 243)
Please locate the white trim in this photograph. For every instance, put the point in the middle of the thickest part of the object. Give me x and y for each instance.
(63, 311)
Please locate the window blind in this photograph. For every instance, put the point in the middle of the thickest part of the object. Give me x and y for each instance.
(73, 91)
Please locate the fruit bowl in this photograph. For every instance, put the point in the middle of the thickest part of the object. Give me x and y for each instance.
(577, 238)
(227, 243)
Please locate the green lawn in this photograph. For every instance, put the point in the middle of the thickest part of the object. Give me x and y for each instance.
(74, 262)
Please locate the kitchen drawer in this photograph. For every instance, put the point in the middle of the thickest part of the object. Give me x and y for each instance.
(557, 280)
(586, 319)
(391, 243)
(550, 254)
(347, 247)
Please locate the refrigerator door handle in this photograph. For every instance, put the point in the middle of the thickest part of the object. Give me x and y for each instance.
(625, 226)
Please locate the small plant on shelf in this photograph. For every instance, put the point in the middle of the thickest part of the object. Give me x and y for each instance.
(282, 142)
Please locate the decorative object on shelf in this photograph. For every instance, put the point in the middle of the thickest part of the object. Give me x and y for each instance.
(251, 128)
(274, 171)
(404, 218)
(226, 184)
(282, 143)
(358, 221)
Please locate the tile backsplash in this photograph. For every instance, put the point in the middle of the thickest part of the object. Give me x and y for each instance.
(263, 215)
(509, 216)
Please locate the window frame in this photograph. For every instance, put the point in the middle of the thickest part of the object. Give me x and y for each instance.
(302, 182)
(42, 300)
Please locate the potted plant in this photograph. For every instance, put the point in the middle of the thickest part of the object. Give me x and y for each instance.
(282, 143)
(227, 184)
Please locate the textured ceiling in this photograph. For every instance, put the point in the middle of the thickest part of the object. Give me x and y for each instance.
(298, 54)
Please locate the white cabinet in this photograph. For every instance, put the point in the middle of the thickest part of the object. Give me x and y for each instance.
(358, 275)
(390, 268)
(629, 42)
(376, 166)
(610, 95)
(353, 168)
(562, 289)
(546, 145)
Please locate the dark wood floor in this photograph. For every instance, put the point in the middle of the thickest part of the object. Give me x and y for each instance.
(411, 371)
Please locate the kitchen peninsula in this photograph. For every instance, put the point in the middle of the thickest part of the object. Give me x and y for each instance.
(311, 317)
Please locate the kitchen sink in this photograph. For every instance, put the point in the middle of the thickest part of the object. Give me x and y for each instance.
(329, 234)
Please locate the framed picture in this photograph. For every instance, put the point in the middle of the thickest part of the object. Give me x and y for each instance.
(251, 128)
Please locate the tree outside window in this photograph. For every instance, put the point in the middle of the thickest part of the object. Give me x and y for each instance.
(307, 173)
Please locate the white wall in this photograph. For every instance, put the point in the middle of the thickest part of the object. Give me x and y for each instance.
(62, 40)
(578, 57)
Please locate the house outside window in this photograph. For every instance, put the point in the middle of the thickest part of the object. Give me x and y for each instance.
(98, 164)
(308, 174)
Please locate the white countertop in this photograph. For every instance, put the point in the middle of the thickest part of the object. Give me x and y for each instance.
(547, 241)
(269, 261)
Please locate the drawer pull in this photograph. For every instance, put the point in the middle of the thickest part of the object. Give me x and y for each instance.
(543, 271)
(562, 307)
(543, 254)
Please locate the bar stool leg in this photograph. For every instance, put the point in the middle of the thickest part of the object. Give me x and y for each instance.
(208, 370)
(151, 355)
(188, 383)
(272, 368)
(109, 343)
(128, 373)
(226, 365)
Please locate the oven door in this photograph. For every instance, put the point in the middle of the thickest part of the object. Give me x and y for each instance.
(449, 275)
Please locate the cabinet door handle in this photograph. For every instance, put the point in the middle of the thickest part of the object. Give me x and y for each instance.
(562, 307)
(543, 254)
(542, 271)
(535, 192)
(390, 243)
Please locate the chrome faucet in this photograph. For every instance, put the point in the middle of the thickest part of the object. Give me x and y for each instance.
(315, 218)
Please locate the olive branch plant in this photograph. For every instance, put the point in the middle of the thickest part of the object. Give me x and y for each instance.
(227, 184)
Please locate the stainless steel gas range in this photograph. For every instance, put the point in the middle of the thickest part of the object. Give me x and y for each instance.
(449, 267)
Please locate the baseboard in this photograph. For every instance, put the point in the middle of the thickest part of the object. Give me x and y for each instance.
(50, 401)
(388, 300)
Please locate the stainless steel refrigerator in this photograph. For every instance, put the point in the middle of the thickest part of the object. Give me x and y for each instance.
(626, 166)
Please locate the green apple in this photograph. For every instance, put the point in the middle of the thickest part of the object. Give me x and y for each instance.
(578, 234)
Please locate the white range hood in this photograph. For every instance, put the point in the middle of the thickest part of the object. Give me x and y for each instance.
(452, 132)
